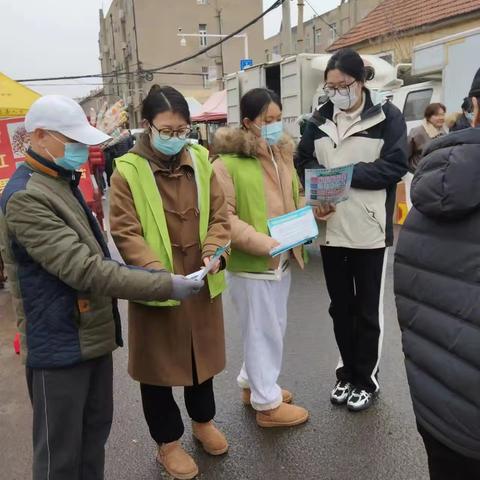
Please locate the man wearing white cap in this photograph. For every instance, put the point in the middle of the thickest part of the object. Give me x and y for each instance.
(64, 286)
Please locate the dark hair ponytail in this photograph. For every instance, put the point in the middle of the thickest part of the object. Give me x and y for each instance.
(164, 99)
(349, 62)
(256, 101)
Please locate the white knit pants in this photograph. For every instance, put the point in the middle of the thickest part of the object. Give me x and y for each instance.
(262, 309)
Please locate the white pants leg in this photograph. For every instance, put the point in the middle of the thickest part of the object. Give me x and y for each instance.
(262, 310)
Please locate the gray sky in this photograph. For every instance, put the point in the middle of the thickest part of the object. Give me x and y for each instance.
(49, 38)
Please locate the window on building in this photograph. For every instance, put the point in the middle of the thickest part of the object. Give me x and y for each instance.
(308, 44)
(276, 50)
(202, 30)
(333, 28)
(205, 77)
(318, 37)
(202, 2)
(416, 103)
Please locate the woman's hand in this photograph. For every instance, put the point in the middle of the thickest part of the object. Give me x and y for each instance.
(324, 212)
(216, 267)
(272, 244)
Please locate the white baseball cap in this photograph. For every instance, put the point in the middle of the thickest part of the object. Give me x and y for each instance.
(62, 114)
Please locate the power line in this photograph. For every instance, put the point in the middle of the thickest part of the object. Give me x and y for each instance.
(277, 4)
(321, 17)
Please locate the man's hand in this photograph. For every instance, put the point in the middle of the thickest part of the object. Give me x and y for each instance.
(183, 287)
(324, 212)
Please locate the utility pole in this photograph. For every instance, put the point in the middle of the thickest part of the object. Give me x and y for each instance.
(138, 77)
(218, 9)
(114, 55)
(287, 48)
(300, 28)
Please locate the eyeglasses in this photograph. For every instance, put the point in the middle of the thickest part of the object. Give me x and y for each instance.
(342, 91)
(168, 133)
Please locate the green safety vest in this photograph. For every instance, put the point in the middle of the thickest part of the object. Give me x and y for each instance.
(248, 181)
(149, 206)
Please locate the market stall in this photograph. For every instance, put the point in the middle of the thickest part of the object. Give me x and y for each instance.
(213, 114)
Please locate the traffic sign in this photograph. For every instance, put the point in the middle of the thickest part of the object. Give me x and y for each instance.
(245, 62)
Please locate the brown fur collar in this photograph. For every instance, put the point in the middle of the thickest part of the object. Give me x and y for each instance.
(242, 142)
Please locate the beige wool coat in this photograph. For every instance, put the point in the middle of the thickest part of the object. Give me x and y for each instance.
(165, 342)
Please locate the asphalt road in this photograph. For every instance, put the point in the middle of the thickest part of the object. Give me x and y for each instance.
(380, 444)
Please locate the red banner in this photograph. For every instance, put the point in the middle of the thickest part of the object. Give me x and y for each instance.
(13, 143)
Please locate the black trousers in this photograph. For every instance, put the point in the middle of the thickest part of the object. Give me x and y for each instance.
(163, 415)
(446, 464)
(72, 416)
(355, 280)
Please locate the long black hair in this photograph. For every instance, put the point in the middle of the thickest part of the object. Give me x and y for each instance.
(349, 62)
(164, 99)
(256, 101)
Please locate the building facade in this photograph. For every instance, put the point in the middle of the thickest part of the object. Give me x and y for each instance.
(323, 30)
(140, 35)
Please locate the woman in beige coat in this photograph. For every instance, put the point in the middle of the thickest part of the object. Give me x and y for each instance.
(255, 167)
(172, 345)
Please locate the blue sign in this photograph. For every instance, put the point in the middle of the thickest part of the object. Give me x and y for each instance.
(245, 63)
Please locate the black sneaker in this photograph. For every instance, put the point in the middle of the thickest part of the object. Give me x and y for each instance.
(341, 393)
(359, 400)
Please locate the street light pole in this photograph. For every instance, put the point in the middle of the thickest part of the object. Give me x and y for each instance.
(286, 29)
(300, 28)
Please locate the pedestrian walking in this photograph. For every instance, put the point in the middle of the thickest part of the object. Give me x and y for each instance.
(437, 289)
(255, 167)
(350, 129)
(167, 210)
(63, 279)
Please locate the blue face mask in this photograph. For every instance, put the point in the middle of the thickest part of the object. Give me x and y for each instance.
(75, 155)
(169, 147)
(470, 116)
(272, 132)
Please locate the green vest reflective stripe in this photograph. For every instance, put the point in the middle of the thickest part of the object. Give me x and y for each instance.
(149, 206)
(249, 184)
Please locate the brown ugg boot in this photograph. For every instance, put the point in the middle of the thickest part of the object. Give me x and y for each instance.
(176, 461)
(287, 397)
(212, 439)
(283, 416)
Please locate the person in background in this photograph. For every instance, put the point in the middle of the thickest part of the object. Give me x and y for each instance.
(64, 285)
(118, 149)
(465, 119)
(96, 161)
(167, 210)
(255, 168)
(350, 129)
(437, 289)
(433, 126)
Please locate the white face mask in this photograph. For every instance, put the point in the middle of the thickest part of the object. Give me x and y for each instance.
(345, 102)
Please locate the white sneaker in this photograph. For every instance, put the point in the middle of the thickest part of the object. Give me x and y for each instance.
(359, 400)
(340, 393)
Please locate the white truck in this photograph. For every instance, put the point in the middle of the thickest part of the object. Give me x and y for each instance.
(453, 60)
(299, 81)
